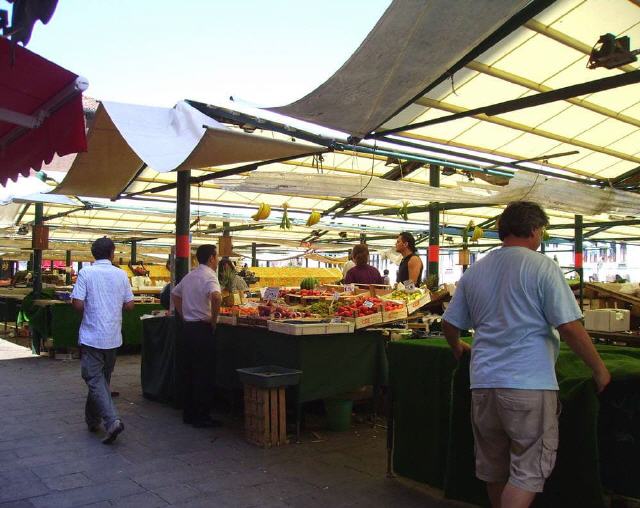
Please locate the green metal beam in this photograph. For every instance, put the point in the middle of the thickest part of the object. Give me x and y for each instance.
(528, 101)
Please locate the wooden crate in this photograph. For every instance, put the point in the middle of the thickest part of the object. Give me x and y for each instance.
(265, 416)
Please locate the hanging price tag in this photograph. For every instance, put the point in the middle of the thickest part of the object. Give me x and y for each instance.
(409, 286)
(368, 304)
(336, 320)
(271, 293)
(350, 288)
(336, 296)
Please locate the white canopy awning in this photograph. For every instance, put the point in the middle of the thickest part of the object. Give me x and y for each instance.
(126, 137)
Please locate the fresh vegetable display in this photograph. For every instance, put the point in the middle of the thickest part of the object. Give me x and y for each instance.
(239, 310)
(361, 306)
(400, 294)
(275, 311)
(309, 283)
(322, 308)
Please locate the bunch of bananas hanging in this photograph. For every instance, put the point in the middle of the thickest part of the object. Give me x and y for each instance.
(314, 218)
(403, 211)
(263, 212)
(285, 223)
(477, 234)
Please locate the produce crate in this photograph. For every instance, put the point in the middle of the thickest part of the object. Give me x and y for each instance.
(394, 315)
(414, 305)
(364, 321)
(265, 416)
(302, 328)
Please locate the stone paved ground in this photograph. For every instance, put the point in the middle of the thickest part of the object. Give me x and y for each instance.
(48, 459)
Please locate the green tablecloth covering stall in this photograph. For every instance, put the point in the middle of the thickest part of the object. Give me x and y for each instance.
(62, 323)
(9, 308)
(331, 364)
(599, 435)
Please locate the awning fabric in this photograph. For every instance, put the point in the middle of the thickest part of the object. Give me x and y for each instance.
(413, 44)
(124, 137)
(27, 83)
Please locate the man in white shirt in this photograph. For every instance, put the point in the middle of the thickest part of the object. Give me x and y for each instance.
(100, 294)
(196, 300)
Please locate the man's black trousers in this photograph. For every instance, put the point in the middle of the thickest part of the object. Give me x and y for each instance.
(196, 361)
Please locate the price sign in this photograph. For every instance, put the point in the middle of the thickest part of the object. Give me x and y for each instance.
(271, 293)
(368, 304)
(409, 286)
(336, 296)
(350, 288)
(336, 320)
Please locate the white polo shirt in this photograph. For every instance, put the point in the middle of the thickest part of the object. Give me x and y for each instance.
(104, 289)
(195, 290)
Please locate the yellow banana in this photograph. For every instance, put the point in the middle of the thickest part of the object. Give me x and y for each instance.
(266, 210)
(258, 215)
(477, 234)
(314, 218)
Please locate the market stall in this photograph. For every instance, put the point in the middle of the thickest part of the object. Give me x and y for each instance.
(331, 365)
(433, 442)
(320, 330)
(61, 323)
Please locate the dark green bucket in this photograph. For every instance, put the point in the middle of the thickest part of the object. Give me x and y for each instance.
(338, 413)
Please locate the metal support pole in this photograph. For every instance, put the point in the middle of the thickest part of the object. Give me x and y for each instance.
(254, 254)
(578, 255)
(363, 238)
(433, 255)
(37, 255)
(67, 263)
(134, 252)
(183, 215)
(36, 339)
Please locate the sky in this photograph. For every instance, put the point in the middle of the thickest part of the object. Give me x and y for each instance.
(157, 52)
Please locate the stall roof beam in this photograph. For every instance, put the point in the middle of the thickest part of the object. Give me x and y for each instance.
(596, 231)
(244, 120)
(529, 101)
(532, 85)
(431, 103)
(514, 164)
(614, 223)
(416, 209)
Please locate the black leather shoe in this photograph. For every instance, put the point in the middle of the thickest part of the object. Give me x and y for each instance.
(112, 432)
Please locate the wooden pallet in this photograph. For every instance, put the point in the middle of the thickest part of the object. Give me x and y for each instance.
(265, 416)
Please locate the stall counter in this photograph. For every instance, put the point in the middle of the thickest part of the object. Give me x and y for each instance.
(599, 435)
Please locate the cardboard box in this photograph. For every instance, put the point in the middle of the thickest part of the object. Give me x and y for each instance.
(607, 320)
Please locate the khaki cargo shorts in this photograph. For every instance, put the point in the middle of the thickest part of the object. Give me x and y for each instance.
(516, 435)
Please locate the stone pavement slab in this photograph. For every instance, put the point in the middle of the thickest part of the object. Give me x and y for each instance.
(48, 459)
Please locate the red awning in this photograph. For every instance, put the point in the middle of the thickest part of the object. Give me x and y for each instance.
(40, 111)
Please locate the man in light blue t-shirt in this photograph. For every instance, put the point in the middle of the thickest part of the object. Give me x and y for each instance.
(515, 299)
